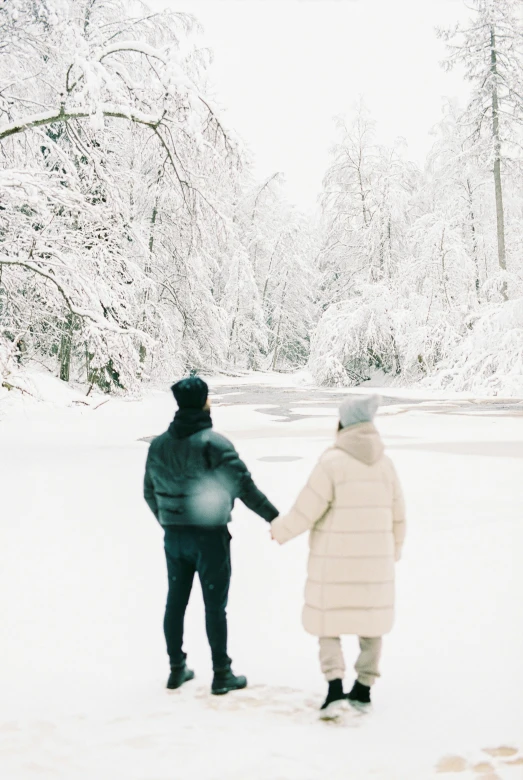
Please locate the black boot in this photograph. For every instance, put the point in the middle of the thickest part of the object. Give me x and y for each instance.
(360, 694)
(335, 695)
(224, 681)
(179, 675)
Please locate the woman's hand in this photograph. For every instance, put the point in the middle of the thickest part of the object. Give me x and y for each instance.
(272, 535)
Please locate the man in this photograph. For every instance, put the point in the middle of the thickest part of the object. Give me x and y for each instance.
(192, 478)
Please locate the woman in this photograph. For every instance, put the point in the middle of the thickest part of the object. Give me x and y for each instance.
(353, 506)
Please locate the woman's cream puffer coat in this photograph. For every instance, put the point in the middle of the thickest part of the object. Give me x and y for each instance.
(353, 506)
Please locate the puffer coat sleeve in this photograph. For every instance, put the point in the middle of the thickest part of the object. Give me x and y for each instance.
(310, 506)
(148, 488)
(225, 460)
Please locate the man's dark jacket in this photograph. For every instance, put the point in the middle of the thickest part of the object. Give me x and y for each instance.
(193, 476)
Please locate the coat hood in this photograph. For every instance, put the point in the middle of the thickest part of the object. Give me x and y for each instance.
(361, 441)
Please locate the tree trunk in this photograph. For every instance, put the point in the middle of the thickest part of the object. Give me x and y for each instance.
(474, 238)
(66, 344)
(389, 239)
(233, 325)
(269, 271)
(362, 196)
(500, 216)
(148, 270)
(87, 364)
(148, 267)
(396, 352)
(277, 344)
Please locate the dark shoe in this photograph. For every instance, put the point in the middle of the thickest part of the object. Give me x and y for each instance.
(360, 694)
(179, 675)
(335, 703)
(335, 693)
(225, 681)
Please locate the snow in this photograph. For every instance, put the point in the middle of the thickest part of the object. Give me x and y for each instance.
(83, 666)
(32, 389)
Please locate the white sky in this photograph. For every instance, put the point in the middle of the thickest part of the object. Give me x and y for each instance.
(285, 68)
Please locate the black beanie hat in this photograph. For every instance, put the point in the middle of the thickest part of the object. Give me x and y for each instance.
(191, 393)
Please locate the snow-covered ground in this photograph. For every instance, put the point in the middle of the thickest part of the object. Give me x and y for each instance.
(83, 584)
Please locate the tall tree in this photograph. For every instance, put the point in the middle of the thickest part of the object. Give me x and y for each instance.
(490, 48)
(456, 192)
(282, 246)
(366, 204)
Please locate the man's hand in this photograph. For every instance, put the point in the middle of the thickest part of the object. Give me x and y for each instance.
(272, 534)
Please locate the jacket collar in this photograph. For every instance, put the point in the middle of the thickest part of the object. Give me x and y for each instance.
(187, 422)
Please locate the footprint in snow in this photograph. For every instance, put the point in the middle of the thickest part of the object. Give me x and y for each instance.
(276, 701)
(159, 715)
(40, 768)
(141, 742)
(503, 752)
(449, 764)
(9, 726)
(486, 770)
(44, 728)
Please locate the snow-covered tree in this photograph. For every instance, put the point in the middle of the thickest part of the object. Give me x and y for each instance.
(490, 47)
(282, 245)
(133, 240)
(115, 168)
(367, 200)
(456, 183)
(409, 256)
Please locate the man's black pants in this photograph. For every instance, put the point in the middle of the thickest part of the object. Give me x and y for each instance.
(205, 551)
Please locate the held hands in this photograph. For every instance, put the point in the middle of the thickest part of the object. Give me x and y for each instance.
(272, 534)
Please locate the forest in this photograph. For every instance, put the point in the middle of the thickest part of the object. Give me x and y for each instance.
(136, 242)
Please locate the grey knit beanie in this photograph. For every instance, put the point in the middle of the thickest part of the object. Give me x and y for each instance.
(358, 409)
